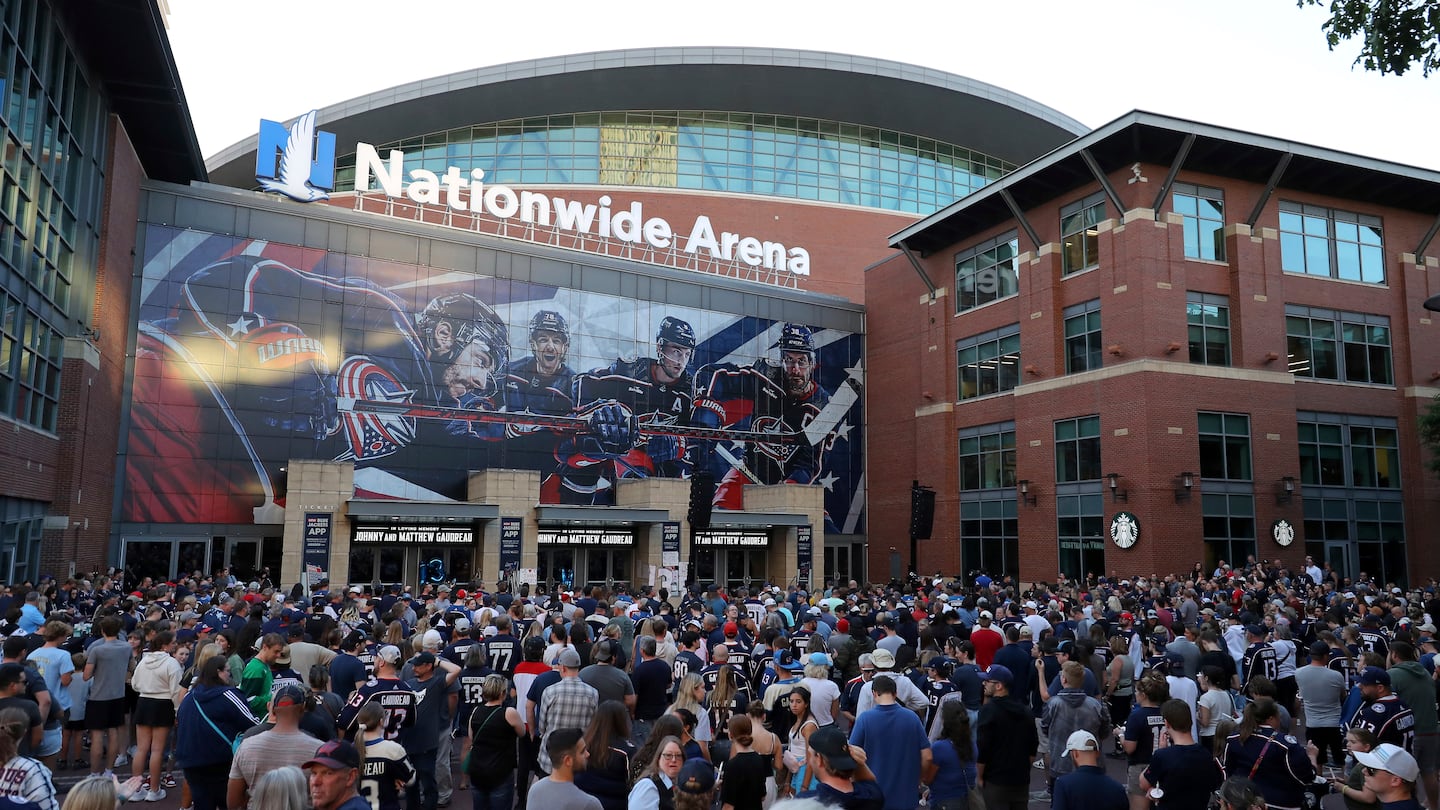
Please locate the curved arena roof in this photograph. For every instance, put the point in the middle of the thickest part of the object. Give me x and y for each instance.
(838, 87)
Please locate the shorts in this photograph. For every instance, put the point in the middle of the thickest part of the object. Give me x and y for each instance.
(103, 714)
(75, 724)
(50, 744)
(155, 712)
(1132, 779)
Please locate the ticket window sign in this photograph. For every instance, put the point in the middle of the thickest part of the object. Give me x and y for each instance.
(586, 537)
(414, 535)
(733, 539)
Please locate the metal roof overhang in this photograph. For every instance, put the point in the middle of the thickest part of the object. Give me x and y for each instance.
(599, 515)
(721, 517)
(413, 511)
(124, 45)
(1141, 137)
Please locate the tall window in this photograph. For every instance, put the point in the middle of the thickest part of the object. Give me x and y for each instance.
(1207, 317)
(1330, 345)
(30, 357)
(987, 272)
(1225, 446)
(1327, 242)
(1358, 535)
(1079, 233)
(1228, 522)
(989, 363)
(987, 457)
(1080, 528)
(1082, 337)
(990, 536)
(1077, 449)
(1339, 450)
(1202, 212)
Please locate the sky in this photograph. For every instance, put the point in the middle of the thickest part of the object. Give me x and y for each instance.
(1262, 66)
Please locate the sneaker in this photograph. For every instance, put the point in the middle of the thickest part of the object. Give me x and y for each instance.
(167, 781)
(122, 760)
(155, 795)
(109, 774)
(1040, 796)
(1039, 764)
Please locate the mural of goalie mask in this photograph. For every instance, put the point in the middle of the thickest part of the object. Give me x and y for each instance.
(469, 343)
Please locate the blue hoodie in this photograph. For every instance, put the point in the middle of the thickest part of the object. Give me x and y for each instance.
(197, 744)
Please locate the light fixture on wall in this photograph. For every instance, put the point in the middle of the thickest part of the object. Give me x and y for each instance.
(1184, 483)
(1286, 491)
(1023, 486)
(1117, 494)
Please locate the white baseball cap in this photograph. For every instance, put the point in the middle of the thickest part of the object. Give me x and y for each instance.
(1390, 758)
(1081, 741)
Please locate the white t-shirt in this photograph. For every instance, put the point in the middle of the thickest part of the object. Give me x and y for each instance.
(823, 694)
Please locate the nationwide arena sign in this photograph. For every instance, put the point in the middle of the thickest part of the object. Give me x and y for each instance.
(299, 162)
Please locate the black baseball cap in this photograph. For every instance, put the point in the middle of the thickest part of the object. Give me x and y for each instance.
(336, 755)
(831, 743)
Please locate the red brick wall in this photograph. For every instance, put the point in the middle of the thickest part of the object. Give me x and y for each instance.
(90, 398)
(1141, 283)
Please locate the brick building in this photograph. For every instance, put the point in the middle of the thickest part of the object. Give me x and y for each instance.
(1216, 337)
(82, 122)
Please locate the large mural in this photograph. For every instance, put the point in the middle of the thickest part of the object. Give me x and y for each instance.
(252, 353)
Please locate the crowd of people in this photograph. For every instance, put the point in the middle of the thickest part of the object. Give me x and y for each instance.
(953, 693)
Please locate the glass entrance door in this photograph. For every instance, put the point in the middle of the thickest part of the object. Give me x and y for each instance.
(242, 555)
(607, 567)
(1339, 557)
(744, 567)
(556, 568)
(149, 558)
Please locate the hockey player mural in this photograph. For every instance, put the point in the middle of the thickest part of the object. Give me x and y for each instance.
(249, 354)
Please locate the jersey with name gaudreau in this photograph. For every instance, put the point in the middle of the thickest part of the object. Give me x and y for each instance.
(386, 768)
(398, 701)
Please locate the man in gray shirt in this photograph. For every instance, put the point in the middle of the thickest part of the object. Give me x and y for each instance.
(1322, 692)
(107, 668)
(611, 683)
(566, 749)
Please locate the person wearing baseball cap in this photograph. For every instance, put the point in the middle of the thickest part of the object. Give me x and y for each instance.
(1087, 786)
(280, 745)
(907, 693)
(1006, 740)
(845, 777)
(334, 774)
(1391, 772)
(387, 687)
(1384, 714)
(1261, 658)
(1323, 691)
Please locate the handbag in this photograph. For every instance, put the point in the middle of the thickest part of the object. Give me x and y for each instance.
(465, 763)
(234, 744)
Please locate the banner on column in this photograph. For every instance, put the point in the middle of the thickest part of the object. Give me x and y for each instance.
(316, 554)
(804, 552)
(670, 543)
(509, 546)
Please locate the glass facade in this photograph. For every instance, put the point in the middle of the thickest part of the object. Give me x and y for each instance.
(1346, 346)
(1202, 211)
(989, 363)
(771, 155)
(1326, 242)
(987, 272)
(1082, 337)
(1080, 234)
(52, 144)
(1207, 317)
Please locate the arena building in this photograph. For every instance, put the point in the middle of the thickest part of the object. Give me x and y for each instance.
(495, 325)
(1164, 345)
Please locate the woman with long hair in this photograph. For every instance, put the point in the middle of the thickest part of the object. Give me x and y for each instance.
(1239, 793)
(25, 778)
(157, 681)
(655, 786)
(607, 776)
(386, 766)
(767, 744)
(98, 793)
(1214, 704)
(666, 725)
(690, 695)
(394, 634)
(227, 641)
(1119, 682)
(1259, 752)
(725, 701)
(210, 717)
(494, 731)
(800, 731)
(282, 789)
(747, 774)
(951, 773)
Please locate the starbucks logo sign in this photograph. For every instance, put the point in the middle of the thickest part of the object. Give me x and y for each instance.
(1124, 529)
(1283, 531)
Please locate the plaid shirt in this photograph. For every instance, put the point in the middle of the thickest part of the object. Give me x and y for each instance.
(570, 703)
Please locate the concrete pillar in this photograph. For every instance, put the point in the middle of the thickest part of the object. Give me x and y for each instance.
(317, 486)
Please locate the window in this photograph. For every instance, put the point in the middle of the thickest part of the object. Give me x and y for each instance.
(1208, 319)
(1225, 446)
(1079, 234)
(1082, 337)
(1338, 450)
(1326, 242)
(987, 272)
(1080, 527)
(990, 536)
(1077, 449)
(1329, 345)
(989, 363)
(1358, 535)
(987, 457)
(1228, 522)
(1202, 212)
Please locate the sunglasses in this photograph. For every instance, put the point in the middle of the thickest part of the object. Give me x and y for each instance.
(1369, 771)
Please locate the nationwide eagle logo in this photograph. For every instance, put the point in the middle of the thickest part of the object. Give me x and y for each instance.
(306, 159)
